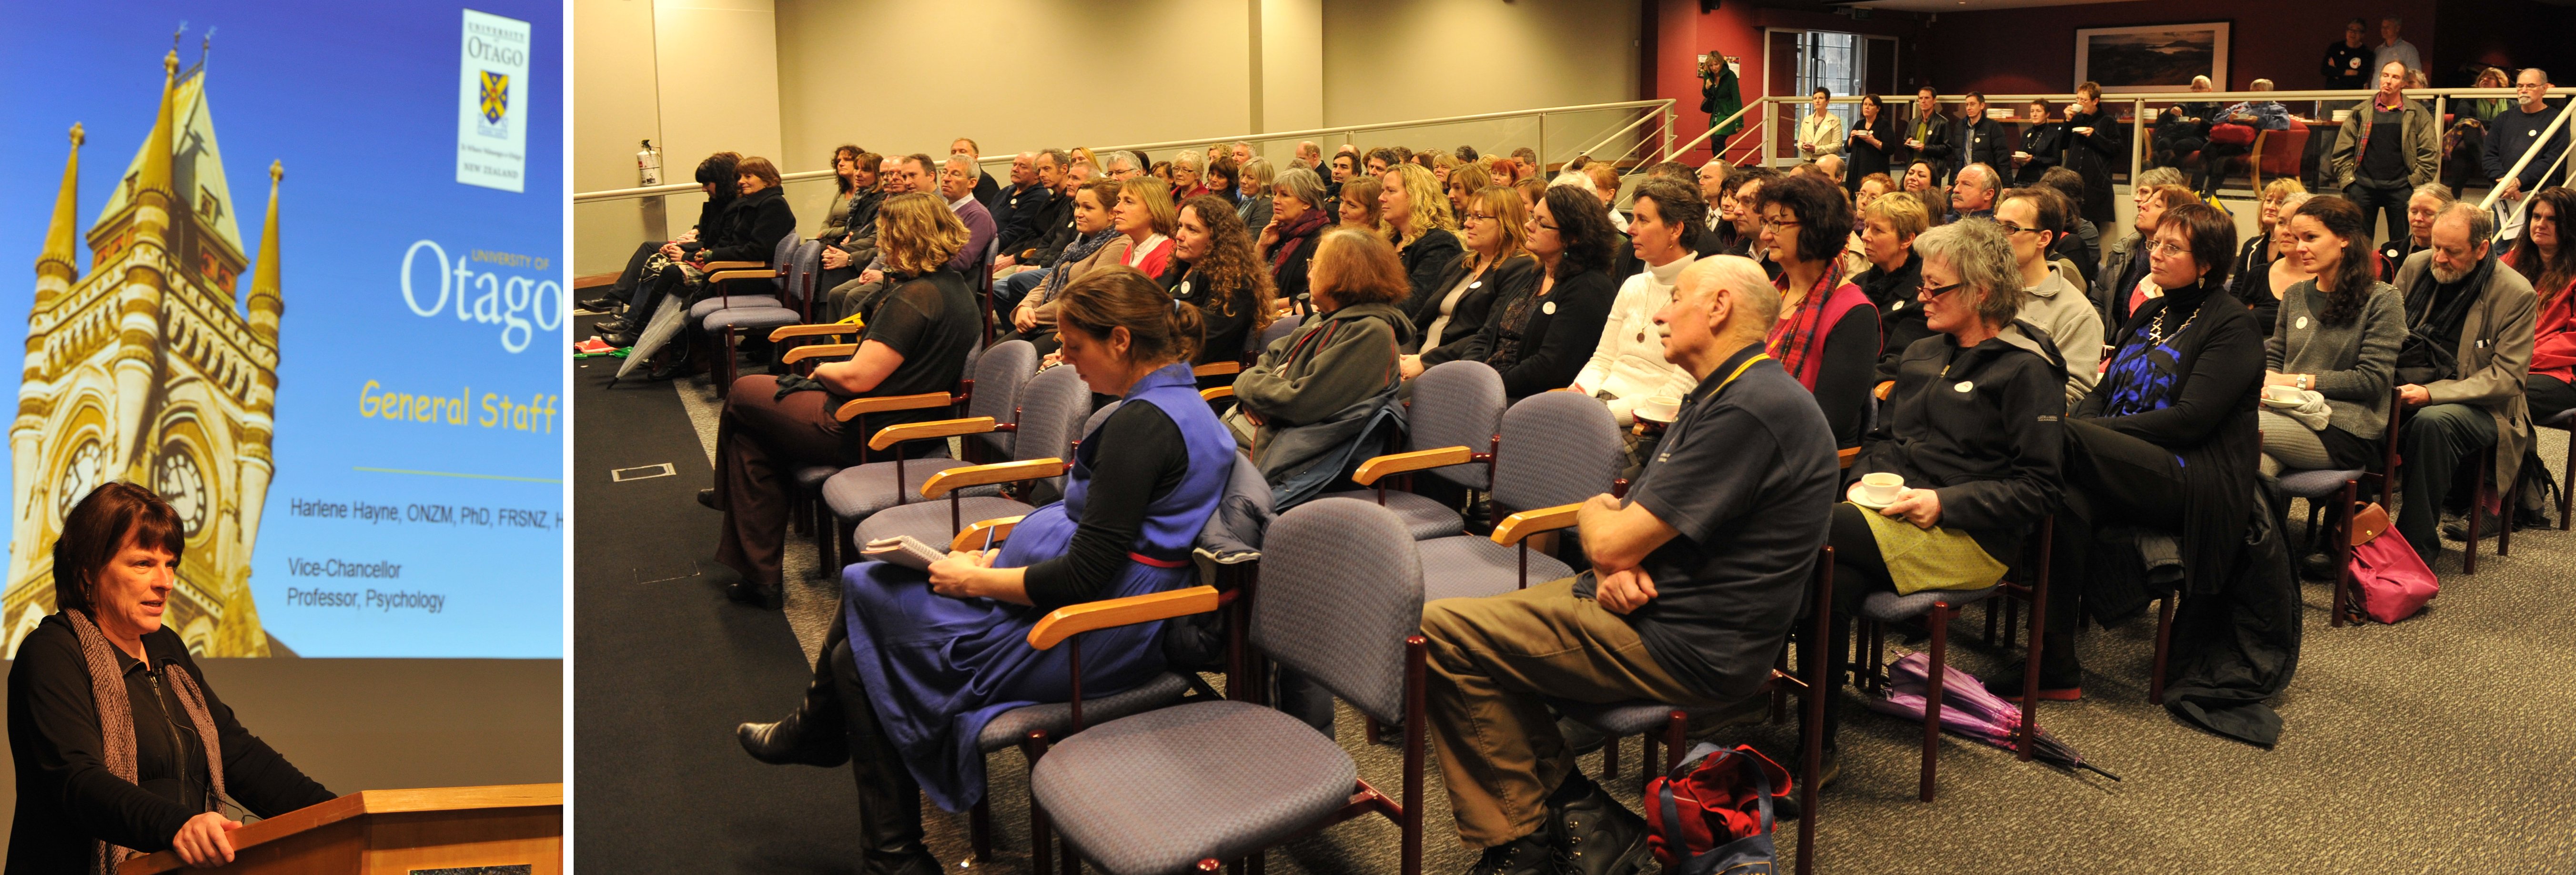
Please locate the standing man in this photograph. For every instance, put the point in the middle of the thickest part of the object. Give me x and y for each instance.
(2511, 133)
(2386, 149)
(1929, 138)
(2347, 65)
(1981, 140)
(2461, 367)
(2393, 50)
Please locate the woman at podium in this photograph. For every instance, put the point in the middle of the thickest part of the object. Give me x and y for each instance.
(920, 663)
(120, 745)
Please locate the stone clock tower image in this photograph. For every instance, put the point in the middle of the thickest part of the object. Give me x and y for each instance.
(154, 369)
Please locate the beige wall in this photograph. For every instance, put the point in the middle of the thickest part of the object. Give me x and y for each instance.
(695, 76)
(1390, 61)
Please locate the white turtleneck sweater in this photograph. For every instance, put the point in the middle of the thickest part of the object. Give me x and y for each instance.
(1629, 361)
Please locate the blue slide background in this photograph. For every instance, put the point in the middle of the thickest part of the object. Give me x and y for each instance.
(360, 102)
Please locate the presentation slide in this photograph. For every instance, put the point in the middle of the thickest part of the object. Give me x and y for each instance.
(296, 266)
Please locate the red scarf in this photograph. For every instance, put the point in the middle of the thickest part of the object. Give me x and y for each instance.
(1293, 234)
(1798, 341)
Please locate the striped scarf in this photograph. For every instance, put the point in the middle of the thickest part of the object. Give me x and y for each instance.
(116, 721)
(1793, 339)
(1082, 247)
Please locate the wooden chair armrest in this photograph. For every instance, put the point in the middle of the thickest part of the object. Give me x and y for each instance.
(914, 431)
(973, 537)
(745, 274)
(834, 329)
(714, 266)
(593, 281)
(1419, 460)
(883, 404)
(818, 350)
(1847, 455)
(1217, 369)
(1530, 522)
(1071, 620)
(1215, 392)
(954, 479)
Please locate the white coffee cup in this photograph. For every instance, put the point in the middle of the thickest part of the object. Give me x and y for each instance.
(1658, 408)
(2281, 394)
(1881, 488)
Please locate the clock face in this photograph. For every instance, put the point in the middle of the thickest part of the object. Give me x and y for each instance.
(176, 477)
(80, 475)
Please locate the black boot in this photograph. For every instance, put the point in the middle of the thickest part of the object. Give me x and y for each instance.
(889, 799)
(815, 735)
(1598, 836)
(755, 595)
(1531, 854)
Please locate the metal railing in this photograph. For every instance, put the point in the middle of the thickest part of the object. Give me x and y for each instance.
(1659, 111)
(1761, 113)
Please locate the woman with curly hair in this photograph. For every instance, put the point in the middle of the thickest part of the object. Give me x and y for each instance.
(1214, 269)
(2543, 257)
(1539, 340)
(1413, 210)
(2336, 343)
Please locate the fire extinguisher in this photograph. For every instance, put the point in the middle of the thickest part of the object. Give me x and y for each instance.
(648, 165)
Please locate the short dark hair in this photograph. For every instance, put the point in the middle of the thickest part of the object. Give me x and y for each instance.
(2211, 233)
(1828, 92)
(98, 528)
(1978, 96)
(1824, 217)
(2068, 183)
(1673, 170)
(2046, 202)
(718, 170)
(1583, 223)
(1675, 202)
(1467, 153)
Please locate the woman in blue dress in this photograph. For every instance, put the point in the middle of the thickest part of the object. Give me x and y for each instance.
(920, 662)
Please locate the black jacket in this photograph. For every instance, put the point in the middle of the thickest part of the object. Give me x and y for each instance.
(66, 796)
(1940, 146)
(2092, 157)
(987, 192)
(1055, 231)
(2044, 143)
(1226, 314)
(1990, 453)
(1019, 217)
(1982, 141)
(1514, 277)
(1900, 315)
(710, 222)
(752, 226)
(1424, 261)
(1556, 334)
(2209, 424)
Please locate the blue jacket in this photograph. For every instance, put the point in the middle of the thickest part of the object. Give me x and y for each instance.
(1017, 216)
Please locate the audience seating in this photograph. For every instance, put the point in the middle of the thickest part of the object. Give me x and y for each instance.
(1052, 407)
(1457, 408)
(2565, 421)
(2344, 484)
(1622, 719)
(797, 270)
(1555, 449)
(1168, 790)
(2026, 581)
(2278, 153)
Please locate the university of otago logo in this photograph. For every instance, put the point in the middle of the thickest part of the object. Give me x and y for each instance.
(496, 96)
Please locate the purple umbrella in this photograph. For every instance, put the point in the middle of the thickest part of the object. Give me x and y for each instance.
(1967, 709)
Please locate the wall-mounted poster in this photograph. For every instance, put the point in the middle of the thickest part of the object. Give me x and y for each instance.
(2153, 57)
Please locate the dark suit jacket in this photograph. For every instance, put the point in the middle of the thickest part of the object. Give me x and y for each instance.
(1982, 141)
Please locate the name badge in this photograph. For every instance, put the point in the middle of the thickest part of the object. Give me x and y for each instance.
(1964, 387)
(1185, 288)
(1548, 308)
(1900, 305)
(2302, 324)
(1478, 284)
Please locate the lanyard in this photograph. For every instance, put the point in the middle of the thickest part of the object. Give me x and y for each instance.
(1739, 371)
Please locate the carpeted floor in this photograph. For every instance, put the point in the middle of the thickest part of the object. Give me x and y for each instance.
(2438, 744)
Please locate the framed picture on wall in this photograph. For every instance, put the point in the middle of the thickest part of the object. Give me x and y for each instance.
(2153, 57)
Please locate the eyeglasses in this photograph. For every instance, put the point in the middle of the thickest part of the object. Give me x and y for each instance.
(2167, 249)
(1929, 292)
(1479, 217)
(1769, 223)
(2011, 229)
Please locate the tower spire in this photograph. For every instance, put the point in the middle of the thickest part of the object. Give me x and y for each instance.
(264, 303)
(56, 262)
(156, 151)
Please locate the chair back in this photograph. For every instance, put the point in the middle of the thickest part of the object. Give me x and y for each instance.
(2283, 150)
(1053, 404)
(1341, 590)
(783, 258)
(805, 266)
(1457, 404)
(999, 374)
(1557, 448)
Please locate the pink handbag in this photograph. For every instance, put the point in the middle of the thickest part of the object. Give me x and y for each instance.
(2393, 581)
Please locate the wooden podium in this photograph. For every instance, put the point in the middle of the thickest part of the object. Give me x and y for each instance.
(509, 830)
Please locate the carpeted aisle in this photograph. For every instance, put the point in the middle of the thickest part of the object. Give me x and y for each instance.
(666, 666)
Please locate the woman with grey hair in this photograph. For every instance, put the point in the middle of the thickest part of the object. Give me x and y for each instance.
(1252, 192)
(1296, 206)
(1971, 427)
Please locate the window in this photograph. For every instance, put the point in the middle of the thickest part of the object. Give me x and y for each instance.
(1831, 61)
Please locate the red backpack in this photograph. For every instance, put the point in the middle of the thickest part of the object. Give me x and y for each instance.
(1711, 813)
